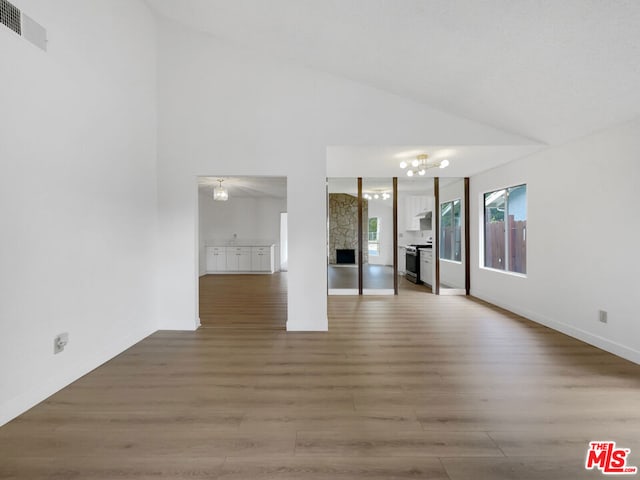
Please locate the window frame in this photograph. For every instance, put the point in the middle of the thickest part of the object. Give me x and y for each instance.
(441, 243)
(483, 229)
(377, 241)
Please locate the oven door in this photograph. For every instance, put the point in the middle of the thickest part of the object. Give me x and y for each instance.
(412, 266)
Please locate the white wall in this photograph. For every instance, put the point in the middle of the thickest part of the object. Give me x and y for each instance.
(582, 239)
(452, 273)
(77, 193)
(383, 209)
(229, 112)
(256, 221)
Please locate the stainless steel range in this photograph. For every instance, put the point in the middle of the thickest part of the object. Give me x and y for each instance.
(413, 261)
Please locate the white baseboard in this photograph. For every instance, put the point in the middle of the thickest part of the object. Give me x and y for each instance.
(293, 327)
(597, 341)
(48, 386)
(452, 291)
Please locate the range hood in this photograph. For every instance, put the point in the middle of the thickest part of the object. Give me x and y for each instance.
(425, 220)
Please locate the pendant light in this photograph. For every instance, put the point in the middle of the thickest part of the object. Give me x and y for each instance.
(220, 194)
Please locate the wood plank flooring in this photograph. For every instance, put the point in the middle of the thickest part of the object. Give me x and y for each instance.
(244, 301)
(373, 276)
(407, 387)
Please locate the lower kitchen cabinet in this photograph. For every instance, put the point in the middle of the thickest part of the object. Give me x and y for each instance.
(238, 259)
(262, 259)
(402, 260)
(426, 267)
(245, 259)
(216, 259)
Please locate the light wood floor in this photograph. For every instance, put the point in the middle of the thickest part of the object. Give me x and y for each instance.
(373, 276)
(415, 386)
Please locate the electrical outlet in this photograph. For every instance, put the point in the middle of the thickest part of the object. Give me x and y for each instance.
(60, 342)
(603, 316)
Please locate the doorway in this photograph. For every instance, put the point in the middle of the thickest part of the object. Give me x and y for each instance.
(362, 236)
(242, 247)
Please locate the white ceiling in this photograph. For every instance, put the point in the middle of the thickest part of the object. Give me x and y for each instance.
(252, 187)
(384, 161)
(549, 70)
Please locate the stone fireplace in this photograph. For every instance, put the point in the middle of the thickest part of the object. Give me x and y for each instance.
(343, 227)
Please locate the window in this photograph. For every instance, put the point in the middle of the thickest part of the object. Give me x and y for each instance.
(505, 229)
(374, 236)
(450, 231)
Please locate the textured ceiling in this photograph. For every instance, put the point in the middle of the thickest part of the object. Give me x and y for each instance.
(548, 70)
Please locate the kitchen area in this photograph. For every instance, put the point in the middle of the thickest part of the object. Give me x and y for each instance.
(242, 252)
(419, 207)
(417, 213)
(415, 231)
(240, 220)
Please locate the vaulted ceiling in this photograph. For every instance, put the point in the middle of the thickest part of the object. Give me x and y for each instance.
(548, 70)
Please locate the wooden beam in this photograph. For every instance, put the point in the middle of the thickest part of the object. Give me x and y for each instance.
(467, 239)
(436, 241)
(395, 235)
(360, 239)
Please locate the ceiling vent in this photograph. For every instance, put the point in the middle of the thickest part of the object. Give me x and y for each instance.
(23, 25)
(10, 16)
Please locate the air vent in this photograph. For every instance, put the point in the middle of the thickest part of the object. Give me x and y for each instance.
(23, 25)
(10, 16)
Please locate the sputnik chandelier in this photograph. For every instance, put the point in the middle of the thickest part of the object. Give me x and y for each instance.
(420, 165)
(377, 195)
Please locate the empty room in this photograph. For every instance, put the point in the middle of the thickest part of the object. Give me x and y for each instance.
(309, 239)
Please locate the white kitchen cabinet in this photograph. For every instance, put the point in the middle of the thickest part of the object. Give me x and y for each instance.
(241, 259)
(262, 259)
(426, 266)
(216, 259)
(402, 260)
(416, 204)
(238, 259)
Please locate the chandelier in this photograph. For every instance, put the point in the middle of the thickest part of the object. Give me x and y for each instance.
(220, 194)
(420, 165)
(377, 195)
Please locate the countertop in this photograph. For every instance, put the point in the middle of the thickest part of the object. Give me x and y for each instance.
(243, 245)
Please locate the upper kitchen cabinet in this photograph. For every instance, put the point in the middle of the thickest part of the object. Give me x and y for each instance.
(417, 207)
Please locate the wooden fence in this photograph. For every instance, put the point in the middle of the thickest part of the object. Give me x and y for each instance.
(494, 245)
(450, 246)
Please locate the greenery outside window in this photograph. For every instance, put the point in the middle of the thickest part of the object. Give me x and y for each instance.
(451, 231)
(374, 236)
